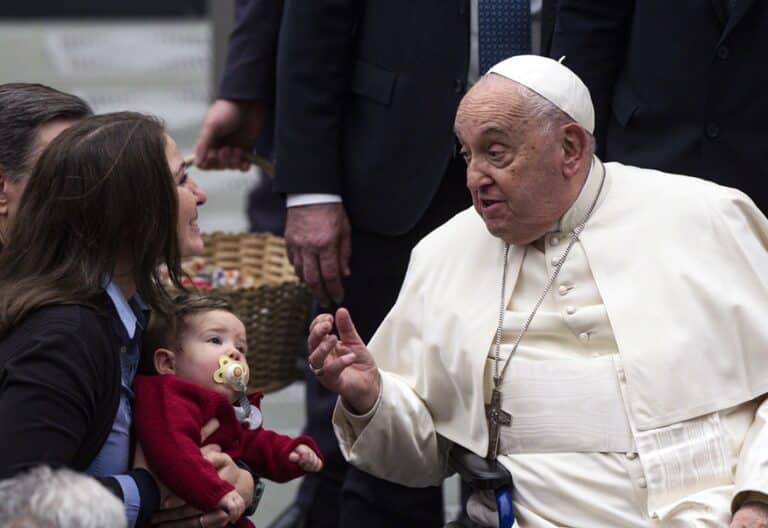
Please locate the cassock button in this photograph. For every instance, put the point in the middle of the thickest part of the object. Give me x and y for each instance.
(123, 350)
(570, 310)
(622, 376)
(584, 337)
(554, 241)
(556, 261)
(641, 482)
(631, 455)
(563, 290)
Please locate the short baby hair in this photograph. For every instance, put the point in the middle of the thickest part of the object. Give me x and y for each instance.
(166, 331)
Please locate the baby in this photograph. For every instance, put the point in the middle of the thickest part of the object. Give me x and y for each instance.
(199, 359)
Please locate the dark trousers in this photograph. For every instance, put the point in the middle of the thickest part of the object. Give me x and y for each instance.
(341, 495)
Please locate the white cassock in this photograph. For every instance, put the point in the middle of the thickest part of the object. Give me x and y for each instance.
(636, 394)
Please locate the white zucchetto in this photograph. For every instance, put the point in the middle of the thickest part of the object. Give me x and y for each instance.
(554, 82)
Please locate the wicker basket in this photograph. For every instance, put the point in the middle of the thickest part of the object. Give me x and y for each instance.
(275, 310)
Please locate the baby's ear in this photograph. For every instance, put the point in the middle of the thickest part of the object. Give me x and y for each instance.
(165, 361)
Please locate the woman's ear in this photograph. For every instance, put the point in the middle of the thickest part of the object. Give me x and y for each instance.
(165, 361)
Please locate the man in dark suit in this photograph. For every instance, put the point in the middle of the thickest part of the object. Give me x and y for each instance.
(367, 93)
(677, 86)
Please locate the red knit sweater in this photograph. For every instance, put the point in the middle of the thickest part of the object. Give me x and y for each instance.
(169, 413)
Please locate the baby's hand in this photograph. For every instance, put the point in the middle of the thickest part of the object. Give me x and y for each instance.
(233, 504)
(306, 458)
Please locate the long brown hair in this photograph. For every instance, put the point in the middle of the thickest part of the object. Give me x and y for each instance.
(102, 189)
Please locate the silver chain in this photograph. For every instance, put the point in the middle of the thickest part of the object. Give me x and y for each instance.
(497, 377)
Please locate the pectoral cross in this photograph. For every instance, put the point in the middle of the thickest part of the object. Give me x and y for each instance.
(496, 418)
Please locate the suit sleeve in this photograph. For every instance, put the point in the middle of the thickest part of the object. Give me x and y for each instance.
(398, 442)
(593, 36)
(249, 72)
(315, 63)
(49, 394)
(168, 422)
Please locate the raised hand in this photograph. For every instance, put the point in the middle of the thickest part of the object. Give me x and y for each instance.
(343, 365)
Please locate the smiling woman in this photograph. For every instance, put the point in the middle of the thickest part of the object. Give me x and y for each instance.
(106, 204)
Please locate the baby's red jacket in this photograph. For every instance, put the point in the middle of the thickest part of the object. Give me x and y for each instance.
(169, 413)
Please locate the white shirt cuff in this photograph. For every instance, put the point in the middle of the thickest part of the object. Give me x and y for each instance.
(296, 200)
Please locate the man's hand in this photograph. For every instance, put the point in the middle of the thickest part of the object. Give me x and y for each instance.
(230, 129)
(345, 365)
(751, 515)
(306, 458)
(318, 246)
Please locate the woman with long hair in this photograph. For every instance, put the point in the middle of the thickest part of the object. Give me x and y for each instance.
(108, 202)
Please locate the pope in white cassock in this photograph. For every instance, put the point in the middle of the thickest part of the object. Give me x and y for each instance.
(621, 313)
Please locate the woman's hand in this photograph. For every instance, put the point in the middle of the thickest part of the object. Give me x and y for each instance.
(175, 513)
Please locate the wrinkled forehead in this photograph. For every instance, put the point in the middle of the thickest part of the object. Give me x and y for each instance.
(495, 104)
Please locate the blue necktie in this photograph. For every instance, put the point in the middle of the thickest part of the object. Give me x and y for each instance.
(504, 30)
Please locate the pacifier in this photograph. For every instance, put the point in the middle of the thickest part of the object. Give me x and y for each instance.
(232, 373)
(235, 374)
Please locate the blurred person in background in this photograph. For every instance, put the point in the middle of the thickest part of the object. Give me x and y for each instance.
(31, 115)
(61, 498)
(677, 86)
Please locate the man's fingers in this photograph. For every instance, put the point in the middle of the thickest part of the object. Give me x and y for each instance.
(203, 143)
(331, 274)
(320, 353)
(345, 252)
(333, 368)
(318, 332)
(347, 332)
(312, 276)
(320, 322)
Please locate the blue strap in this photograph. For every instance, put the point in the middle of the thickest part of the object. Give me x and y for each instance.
(504, 506)
(504, 30)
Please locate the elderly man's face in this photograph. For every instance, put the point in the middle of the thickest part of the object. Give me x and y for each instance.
(513, 165)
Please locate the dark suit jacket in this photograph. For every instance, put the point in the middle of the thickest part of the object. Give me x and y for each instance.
(678, 86)
(249, 72)
(368, 90)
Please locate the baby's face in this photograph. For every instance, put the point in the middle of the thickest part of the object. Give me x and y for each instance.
(207, 337)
